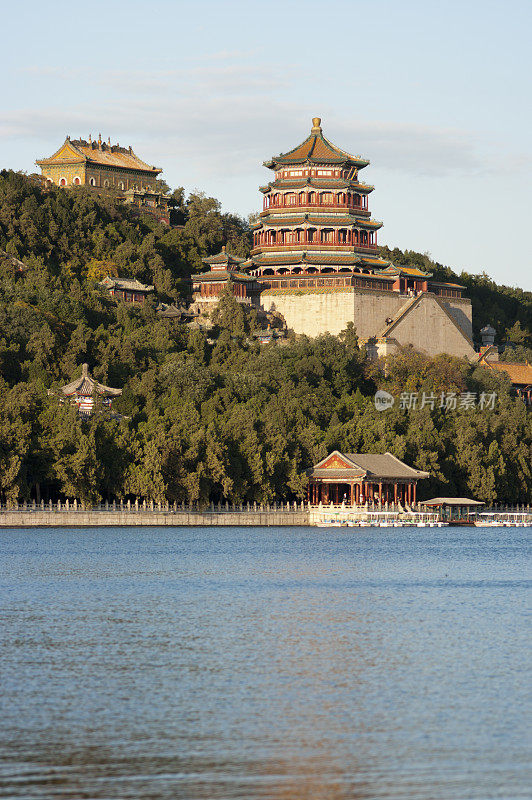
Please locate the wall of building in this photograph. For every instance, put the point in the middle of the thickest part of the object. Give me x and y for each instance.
(461, 311)
(313, 312)
(113, 175)
(67, 171)
(428, 329)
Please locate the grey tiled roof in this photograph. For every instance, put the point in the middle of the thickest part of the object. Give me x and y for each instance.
(86, 386)
(385, 465)
(130, 284)
(369, 465)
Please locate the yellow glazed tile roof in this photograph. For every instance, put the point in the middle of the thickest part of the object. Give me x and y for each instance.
(519, 373)
(78, 150)
(318, 149)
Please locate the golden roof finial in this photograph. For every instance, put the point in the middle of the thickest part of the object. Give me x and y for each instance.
(316, 123)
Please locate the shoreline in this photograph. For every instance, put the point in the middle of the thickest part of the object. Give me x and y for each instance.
(128, 519)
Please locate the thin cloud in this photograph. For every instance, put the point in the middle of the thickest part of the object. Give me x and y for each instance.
(226, 116)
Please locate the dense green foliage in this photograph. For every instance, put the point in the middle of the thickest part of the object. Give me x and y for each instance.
(205, 417)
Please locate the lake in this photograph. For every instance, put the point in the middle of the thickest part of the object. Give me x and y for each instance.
(278, 663)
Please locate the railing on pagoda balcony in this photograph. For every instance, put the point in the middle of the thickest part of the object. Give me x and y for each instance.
(313, 203)
(336, 239)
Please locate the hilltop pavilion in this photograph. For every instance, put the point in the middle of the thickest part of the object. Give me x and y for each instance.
(83, 390)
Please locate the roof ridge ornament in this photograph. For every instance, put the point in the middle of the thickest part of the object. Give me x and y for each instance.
(316, 125)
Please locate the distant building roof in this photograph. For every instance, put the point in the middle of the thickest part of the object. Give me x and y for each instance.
(316, 149)
(451, 501)
(74, 151)
(18, 265)
(87, 386)
(223, 259)
(364, 465)
(220, 275)
(519, 374)
(127, 284)
(414, 272)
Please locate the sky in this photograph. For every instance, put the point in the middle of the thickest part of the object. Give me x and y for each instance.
(437, 95)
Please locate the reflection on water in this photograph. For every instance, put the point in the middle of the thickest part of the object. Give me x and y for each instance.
(255, 663)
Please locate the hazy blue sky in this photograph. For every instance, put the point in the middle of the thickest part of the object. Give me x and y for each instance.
(436, 94)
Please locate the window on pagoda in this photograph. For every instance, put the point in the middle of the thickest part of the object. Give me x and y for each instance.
(290, 237)
(291, 199)
(326, 198)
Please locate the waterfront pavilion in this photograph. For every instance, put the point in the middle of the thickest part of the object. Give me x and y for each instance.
(360, 478)
(453, 507)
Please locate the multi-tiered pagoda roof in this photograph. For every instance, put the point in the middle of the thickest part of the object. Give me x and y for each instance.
(316, 231)
(315, 214)
(83, 390)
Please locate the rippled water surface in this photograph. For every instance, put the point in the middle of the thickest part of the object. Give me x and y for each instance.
(264, 663)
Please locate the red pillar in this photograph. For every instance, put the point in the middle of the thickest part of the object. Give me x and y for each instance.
(414, 486)
(380, 493)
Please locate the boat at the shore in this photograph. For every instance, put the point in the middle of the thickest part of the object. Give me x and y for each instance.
(506, 519)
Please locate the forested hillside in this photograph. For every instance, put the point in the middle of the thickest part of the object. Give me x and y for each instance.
(217, 417)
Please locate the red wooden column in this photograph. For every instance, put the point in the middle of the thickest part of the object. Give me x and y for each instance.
(395, 493)
(409, 494)
(414, 486)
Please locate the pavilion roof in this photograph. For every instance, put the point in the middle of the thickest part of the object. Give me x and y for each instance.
(520, 374)
(365, 465)
(127, 284)
(220, 275)
(412, 272)
(374, 262)
(87, 386)
(223, 258)
(452, 501)
(316, 149)
(74, 151)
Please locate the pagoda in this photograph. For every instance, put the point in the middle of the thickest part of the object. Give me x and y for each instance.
(316, 260)
(315, 218)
